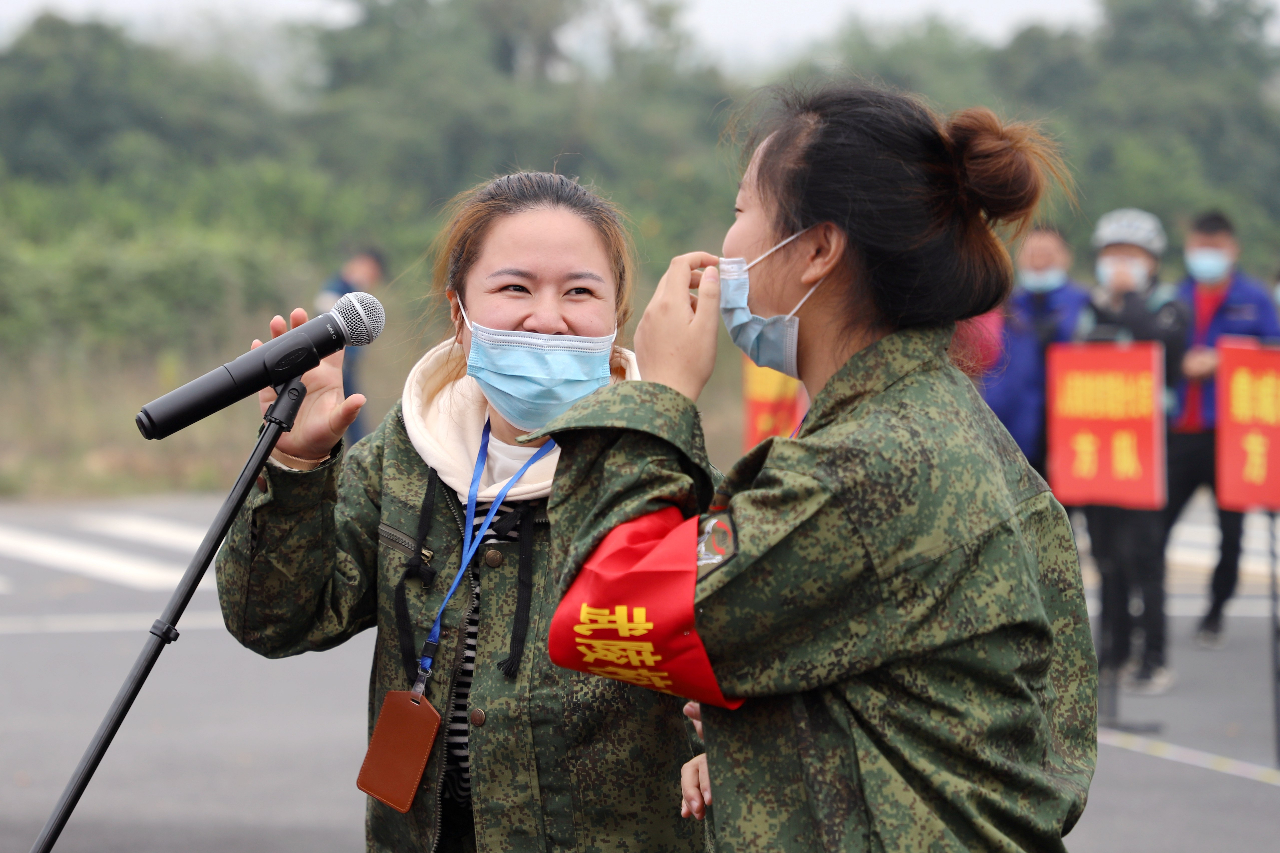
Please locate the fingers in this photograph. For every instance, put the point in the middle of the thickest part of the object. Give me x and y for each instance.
(344, 415)
(693, 711)
(679, 276)
(707, 313)
(693, 802)
(296, 318)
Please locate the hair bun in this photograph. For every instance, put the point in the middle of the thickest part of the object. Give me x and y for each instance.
(1002, 168)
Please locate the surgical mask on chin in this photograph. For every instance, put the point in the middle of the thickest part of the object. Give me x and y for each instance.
(530, 378)
(1208, 266)
(1108, 269)
(767, 341)
(1042, 281)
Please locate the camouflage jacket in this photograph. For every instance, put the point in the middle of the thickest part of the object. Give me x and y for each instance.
(895, 593)
(562, 762)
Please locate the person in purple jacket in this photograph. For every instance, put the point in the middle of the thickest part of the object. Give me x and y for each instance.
(1222, 301)
(1044, 309)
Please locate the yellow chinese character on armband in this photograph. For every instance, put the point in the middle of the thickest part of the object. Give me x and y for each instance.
(1124, 455)
(639, 677)
(1255, 463)
(1085, 445)
(619, 652)
(602, 619)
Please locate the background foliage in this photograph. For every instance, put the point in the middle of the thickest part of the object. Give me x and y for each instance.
(156, 208)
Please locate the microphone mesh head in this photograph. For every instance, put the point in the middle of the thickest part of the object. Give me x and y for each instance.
(362, 317)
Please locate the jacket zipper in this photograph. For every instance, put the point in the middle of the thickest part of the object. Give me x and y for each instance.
(453, 683)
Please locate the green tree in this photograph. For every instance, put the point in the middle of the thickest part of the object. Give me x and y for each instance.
(83, 99)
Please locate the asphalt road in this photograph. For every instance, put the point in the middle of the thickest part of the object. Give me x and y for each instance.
(227, 751)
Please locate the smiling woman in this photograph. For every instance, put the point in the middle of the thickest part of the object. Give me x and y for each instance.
(537, 272)
(536, 253)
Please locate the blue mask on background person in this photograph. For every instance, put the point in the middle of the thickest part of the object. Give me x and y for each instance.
(1208, 266)
(767, 341)
(530, 378)
(1042, 281)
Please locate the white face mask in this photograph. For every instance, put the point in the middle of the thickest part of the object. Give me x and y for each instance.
(767, 341)
(1110, 269)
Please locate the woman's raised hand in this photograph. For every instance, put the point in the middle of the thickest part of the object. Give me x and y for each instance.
(325, 413)
(676, 338)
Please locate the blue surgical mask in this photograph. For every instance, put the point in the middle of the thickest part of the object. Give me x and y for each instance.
(1208, 266)
(768, 341)
(1042, 281)
(531, 378)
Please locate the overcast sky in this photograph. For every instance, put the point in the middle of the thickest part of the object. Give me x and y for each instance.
(740, 31)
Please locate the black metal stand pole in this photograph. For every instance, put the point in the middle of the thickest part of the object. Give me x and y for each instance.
(1275, 632)
(279, 419)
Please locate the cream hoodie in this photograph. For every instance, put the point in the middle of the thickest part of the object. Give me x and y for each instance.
(445, 429)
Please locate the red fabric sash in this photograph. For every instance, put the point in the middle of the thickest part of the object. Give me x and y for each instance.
(629, 614)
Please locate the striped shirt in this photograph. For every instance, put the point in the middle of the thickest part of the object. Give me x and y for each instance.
(457, 770)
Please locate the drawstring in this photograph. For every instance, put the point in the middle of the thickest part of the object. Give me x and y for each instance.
(524, 594)
(420, 568)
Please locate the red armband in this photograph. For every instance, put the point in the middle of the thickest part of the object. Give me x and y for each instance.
(629, 614)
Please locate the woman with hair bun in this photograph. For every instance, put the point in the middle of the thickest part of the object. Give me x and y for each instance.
(882, 616)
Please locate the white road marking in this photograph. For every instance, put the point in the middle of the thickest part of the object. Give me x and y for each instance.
(6, 586)
(90, 623)
(1194, 757)
(92, 561)
(146, 529)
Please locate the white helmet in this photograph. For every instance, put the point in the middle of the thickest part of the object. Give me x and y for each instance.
(1133, 227)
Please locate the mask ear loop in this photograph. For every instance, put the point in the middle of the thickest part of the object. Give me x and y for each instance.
(806, 297)
(463, 309)
(777, 247)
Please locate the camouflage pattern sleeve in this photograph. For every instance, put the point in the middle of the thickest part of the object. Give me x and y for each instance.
(297, 571)
(629, 450)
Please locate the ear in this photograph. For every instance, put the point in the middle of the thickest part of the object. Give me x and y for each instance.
(824, 246)
(455, 315)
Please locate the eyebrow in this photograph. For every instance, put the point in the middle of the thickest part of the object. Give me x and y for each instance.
(525, 274)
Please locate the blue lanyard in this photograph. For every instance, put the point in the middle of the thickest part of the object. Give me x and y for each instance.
(471, 541)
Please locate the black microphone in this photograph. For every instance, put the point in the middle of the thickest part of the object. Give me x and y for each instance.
(355, 321)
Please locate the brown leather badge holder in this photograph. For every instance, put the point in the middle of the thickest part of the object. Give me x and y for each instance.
(398, 751)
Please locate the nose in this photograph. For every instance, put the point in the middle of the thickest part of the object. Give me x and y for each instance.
(546, 318)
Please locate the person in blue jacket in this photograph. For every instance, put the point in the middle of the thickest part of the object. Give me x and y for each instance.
(1222, 301)
(1044, 309)
(364, 270)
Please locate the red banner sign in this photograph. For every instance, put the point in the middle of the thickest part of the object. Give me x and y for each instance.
(1106, 424)
(1248, 425)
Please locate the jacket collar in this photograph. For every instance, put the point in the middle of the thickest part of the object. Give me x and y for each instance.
(872, 370)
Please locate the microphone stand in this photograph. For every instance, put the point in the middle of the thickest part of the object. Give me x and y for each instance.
(278, 420)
